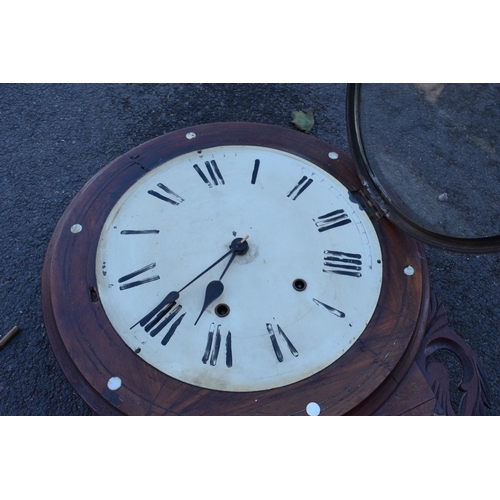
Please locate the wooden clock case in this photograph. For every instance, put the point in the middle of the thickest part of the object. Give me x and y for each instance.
(388, 370)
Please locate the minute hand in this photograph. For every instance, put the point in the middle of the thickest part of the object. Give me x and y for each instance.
(174, 295)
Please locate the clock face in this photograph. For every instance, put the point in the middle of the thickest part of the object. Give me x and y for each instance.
(294, 299)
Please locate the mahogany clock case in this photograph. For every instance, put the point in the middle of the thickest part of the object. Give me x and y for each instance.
(91, 352)
(53, 148)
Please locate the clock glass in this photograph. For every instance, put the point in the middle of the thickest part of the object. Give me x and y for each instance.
(192, 299)
(427, 157)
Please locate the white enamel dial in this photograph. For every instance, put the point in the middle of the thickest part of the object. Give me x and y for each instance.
(291, 305)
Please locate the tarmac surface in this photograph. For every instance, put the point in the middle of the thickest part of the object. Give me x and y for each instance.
(54, 138)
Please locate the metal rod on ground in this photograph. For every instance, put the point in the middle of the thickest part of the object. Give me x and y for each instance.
(8, 336)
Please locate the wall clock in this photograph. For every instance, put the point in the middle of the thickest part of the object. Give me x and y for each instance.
(235, 268)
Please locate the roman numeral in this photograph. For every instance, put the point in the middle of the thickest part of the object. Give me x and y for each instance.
(213, 346)
(140, 231)
(330, 309)
(347, 264)
(173, 327)
(172, 198)
(213, 172)
(275, 344)
(300, 187)
(149, 325)
(332, 220)
(133, 284)
(255, 171)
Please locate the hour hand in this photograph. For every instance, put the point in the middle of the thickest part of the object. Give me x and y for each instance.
(213, 292)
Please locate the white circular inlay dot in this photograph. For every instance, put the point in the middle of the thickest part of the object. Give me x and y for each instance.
(114, 383)
(333, 155)
(190, 135)
(76, 228)
(409, 271)
(313, 409)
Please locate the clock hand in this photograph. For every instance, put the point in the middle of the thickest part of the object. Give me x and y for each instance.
(215, 288)
(229, 263)
(167, 300)
(174, 295)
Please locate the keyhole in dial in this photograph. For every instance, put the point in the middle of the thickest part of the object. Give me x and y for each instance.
(222, 310)
(299, 285)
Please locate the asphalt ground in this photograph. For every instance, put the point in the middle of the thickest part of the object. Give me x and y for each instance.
(54, 138)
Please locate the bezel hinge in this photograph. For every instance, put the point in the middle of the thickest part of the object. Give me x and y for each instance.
(373, 210)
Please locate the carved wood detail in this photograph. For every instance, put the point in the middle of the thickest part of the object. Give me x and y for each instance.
(474, 383)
